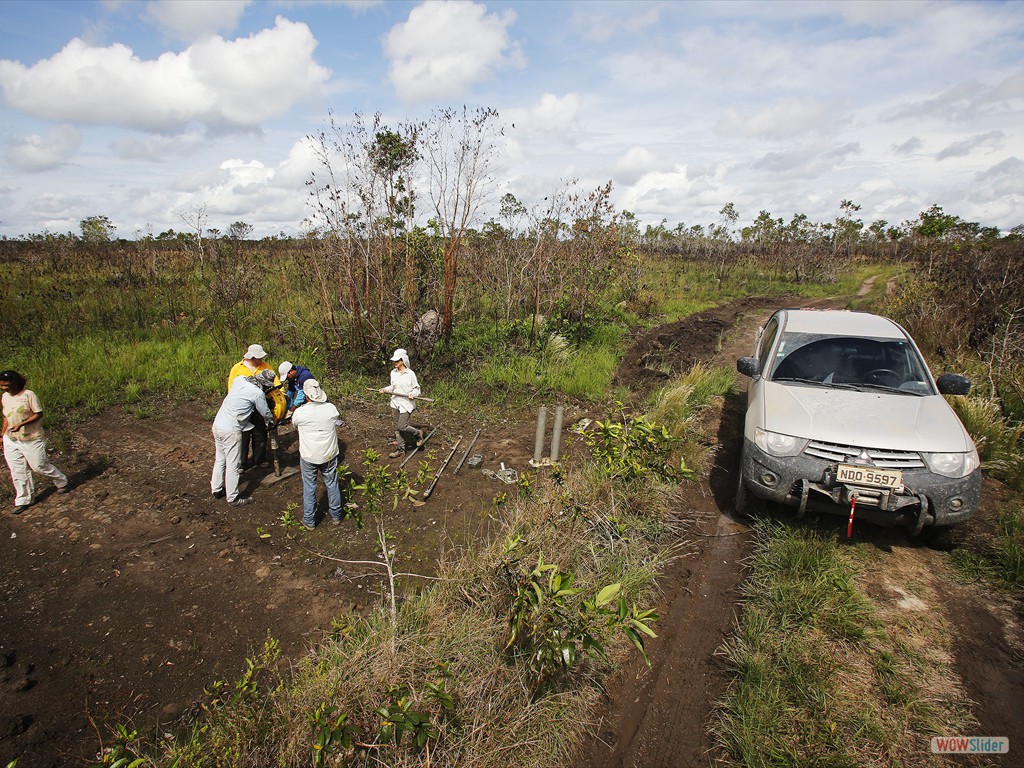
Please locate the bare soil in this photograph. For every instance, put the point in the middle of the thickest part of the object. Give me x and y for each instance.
(121, 601)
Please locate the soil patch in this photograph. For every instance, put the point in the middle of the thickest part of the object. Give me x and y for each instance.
(124, 599)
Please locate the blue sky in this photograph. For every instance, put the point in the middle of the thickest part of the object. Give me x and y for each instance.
(148, 112)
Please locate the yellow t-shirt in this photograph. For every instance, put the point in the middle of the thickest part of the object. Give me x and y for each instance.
(241, 369)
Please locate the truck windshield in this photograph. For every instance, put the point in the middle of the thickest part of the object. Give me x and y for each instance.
(844, 360)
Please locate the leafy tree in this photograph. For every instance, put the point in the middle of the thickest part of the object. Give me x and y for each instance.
(239, 230)
(97, 229)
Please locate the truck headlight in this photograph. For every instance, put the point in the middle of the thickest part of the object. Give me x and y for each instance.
(777, 444)
(952, 464)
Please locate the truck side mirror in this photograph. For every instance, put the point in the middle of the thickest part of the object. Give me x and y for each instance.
(953, 384)
(747, 366)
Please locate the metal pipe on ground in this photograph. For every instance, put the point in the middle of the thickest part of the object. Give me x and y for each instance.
(468, 449)
(430, 488)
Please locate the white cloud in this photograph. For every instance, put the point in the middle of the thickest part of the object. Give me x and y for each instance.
(789, 118)
(443, 48)
(190, 20)
(42, 153)
(551, 114)
(806, 162)
(990, 140)
(1004, 180)
(223, 84)
(908, 147)
(633, 164)
(599, 22)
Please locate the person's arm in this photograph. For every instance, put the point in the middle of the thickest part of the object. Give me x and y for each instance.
(32, 405)
(36, 416)
(264, 408)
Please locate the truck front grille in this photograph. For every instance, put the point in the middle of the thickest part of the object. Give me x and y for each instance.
(880, 457)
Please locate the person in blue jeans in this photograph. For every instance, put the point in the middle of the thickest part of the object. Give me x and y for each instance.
(317, 422)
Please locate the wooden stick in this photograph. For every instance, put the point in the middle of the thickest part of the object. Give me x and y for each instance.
(407, 397)
(419, 445)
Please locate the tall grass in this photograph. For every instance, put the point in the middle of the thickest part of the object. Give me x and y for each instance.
(584, 371)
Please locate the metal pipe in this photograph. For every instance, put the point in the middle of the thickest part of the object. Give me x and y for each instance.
(430, 488)
(419, 445)
(556, 435)
(468, 449)
(538, 442)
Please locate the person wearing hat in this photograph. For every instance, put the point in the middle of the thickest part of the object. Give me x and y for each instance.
(316, 422)
(404, 389)
(246, 398)
(253, 362)
(25, 441)
(293, 377)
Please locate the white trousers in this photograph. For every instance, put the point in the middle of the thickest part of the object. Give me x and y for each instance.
(24, 457)
(227, 462)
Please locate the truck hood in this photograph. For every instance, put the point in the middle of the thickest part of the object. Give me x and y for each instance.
(870, 419)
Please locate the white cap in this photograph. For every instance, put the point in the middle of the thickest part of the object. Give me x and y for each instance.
(314, 392)
(283, 369)
(255, 352)
(400, 354)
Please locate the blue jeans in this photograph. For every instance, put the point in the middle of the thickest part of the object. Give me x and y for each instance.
(329, 470)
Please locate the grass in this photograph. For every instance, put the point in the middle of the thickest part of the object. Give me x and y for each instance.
(998, 559)
(822, 676)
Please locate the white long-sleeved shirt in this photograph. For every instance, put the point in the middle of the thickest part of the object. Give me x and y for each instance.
(237, 407)
(404, 383)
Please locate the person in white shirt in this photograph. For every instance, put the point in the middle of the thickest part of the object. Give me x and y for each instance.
(316, 422)
(25, 441)
(246, 396)
(404, 389)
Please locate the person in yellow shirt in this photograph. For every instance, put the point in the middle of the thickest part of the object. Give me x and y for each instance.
(253, 362)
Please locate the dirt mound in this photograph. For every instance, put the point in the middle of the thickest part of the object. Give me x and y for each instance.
(657, 354)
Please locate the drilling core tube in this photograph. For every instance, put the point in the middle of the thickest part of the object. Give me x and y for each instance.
(538, 441)
(556, 434)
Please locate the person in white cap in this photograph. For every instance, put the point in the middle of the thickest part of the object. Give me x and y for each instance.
(316, 422)
(293, 377)
(404, 389)
(246, 399)
(252, 363)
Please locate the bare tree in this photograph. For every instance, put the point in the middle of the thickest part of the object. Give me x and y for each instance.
(363, 195)
(460, 149)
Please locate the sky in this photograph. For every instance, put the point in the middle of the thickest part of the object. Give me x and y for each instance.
(156, 113)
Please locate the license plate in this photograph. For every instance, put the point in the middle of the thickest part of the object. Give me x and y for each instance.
(884, 478)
